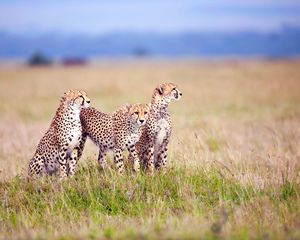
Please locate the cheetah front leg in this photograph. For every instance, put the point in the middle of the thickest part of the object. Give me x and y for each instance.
(36, 166)
(134, 156)
(73, 161)
(150, 159)
(81, 145)
(101, 158)
(161, 162)
(118, 157)
(62, 163)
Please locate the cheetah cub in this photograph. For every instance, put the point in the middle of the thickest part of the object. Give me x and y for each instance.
(118, 131)
(152, 147)
(59, 150)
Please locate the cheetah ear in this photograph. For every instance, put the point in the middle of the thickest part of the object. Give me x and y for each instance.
(68, 95)
(67, 92)
(160, 89)
(63, 97)
(128, 106)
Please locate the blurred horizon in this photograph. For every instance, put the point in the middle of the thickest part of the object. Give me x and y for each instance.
(157, 28)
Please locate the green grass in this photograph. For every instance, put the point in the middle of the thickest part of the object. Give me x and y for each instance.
(104, 204)
(233, 160)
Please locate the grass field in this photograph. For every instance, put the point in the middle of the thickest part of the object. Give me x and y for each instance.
(234, 160)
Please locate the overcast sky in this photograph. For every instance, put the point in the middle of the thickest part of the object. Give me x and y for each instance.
(101, 16)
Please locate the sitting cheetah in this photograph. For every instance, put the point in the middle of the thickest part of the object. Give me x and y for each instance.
(61, 141)
(153, 145)
(115, 132)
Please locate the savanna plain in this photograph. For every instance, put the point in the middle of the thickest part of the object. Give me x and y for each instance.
(233, 164)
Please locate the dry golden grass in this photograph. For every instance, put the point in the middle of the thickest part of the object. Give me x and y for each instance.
(241, 118)
(243, 115)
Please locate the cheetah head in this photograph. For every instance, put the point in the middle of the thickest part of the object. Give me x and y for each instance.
(138, 113)
(77, 98)
(166, 92)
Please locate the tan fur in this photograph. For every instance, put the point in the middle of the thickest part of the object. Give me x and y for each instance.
(153, 145)
(59, 147)
(117, 131)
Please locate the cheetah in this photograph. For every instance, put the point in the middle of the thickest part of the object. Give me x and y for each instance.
(58, 150)
(152, 147)
(117, 132)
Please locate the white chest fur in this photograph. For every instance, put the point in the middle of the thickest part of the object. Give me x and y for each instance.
(75, 132)
(162, 129)
(75, 135)
(133, 138)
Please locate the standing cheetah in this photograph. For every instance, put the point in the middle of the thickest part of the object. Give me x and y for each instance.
(61, 142)
(115, 132)
(153, 145)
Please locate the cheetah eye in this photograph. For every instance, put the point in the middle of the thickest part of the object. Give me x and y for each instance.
(145, 112)
(174, 89)
(136, 112)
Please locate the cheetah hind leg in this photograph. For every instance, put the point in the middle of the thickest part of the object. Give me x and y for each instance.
(101, 158)
(73, 161)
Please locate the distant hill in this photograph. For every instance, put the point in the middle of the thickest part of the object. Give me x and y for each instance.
(284, 43)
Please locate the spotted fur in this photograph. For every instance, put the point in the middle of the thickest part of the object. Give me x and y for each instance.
(58, 150)
(117, 132)
(152, 147)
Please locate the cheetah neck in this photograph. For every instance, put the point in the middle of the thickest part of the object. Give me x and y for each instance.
(159, 108)
(66, 110)
(74, 109)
